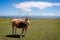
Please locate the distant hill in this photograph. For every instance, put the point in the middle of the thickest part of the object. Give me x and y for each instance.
(30, 16)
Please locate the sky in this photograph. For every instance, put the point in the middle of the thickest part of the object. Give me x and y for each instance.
(30, 7)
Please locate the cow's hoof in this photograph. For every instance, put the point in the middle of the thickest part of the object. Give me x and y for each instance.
(23, 35)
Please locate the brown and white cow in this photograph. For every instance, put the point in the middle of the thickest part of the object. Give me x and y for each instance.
(20, 23)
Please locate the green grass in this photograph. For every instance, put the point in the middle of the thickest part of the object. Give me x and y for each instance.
(40, 29)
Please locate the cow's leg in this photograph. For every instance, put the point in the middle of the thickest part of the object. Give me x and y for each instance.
(15, 30)
(22, 31)
(25, 31)
(12, 29)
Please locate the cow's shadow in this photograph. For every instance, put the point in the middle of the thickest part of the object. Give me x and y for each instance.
(15, 36)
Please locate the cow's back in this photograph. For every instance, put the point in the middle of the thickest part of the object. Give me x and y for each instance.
(16, 21)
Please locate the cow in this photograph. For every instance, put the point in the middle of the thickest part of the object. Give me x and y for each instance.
(20, 23)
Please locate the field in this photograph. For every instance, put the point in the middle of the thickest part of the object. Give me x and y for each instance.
(40, 29)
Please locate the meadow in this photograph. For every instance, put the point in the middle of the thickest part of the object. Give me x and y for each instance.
(40, 29)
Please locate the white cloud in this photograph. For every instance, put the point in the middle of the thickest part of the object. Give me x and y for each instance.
(26, 6)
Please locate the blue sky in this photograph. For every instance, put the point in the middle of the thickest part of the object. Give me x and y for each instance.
(30, 7)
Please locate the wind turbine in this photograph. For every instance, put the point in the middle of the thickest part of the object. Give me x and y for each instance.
(19, 13)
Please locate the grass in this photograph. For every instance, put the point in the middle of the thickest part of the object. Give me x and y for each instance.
(40, 29)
